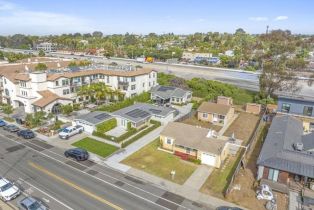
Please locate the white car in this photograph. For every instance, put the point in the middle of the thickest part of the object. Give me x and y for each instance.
(70, 131)
(8, 190)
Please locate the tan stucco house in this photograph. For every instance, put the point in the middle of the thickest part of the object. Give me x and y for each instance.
(194, 142)
(215, 113)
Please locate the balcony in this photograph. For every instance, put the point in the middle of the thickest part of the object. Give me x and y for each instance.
(123, 83)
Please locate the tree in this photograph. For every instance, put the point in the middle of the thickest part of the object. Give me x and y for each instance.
(67, 109)
(97, 34)
(276, 76)
(1, 55)
(34, 120)
(72, 64)
(41, 53)
(41, 67)
(7, 109)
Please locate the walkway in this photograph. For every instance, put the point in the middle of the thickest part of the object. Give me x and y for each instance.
(198, 178)
(183, 190)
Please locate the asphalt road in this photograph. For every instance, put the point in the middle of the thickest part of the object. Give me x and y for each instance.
(42, 171)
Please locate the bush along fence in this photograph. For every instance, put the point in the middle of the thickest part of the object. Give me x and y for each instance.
(155, 125)
(258, 135)
(124, 140)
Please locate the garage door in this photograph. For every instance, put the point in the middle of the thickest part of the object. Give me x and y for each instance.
(87, 128)
(208, 159)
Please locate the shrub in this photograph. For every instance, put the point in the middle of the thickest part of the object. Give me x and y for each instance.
(67, 109)
(194, 160)
(76, 107)
(107, 125)
(144, 97)
(141, 134)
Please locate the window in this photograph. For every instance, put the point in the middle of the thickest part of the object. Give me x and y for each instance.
(24, 93)
(133, 87)
(308, 110)
(169, 141)
(66, 91)
(5, 81)
(7, 93)
(143, 84)
(149, 84)
(65, 82)
(154, 75)
(133, 94)
(132, 79)
(222, 117)
(57, 83)
(107, 79)
(205, 115)
(188, 150)
(273, 174)
(285, 108)
(22, 84)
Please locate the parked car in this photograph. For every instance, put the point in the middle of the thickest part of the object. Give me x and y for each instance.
(30, 203)
(2, 123)
(228, 208)
(8, 190)
(70, 131)
(11, 128)
(26, 134)
(77, 153)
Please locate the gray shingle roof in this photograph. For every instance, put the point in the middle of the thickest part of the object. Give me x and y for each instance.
(141, 111)
(167, 92)
(278, 152)
(95, 118)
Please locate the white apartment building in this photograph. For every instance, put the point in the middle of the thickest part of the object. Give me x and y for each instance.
(37, 91)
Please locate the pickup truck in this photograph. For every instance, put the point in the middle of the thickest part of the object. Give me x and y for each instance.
(8, 190)
(70, 131)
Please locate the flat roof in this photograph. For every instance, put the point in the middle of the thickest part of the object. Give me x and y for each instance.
(95, 118)
(142, 111)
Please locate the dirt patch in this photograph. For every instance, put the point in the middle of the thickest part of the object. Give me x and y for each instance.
(243, 127)
(245, 186)
(194, 121)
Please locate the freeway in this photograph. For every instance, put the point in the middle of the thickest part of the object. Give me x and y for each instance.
(240, 78)
(42, 171)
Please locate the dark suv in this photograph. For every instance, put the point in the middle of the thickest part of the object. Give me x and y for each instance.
(26, 134)
(77, 153)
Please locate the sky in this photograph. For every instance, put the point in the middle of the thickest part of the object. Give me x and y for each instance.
(41, 17)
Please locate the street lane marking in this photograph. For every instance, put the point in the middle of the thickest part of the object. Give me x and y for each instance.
(71, 184)
(102, 180)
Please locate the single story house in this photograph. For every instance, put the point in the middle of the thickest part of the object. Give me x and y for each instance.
(215, 113)
(167, 94)
(296, 105)
(140, 114)
(188, 141)
(287, 155)
(90, 120)
(224, 100)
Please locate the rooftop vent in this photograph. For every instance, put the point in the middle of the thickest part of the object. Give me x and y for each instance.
(298, 146)
(211, 134)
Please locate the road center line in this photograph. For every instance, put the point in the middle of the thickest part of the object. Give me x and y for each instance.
(73, 185)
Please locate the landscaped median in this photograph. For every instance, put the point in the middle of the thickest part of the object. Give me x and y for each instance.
(159, 163)
(97, 147)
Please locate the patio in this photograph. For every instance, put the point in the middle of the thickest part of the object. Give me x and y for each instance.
(116, 132)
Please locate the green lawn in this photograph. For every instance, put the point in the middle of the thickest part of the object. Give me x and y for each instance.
(160, 163)
(97, 147)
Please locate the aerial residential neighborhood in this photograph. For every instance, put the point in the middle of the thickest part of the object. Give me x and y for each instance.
(157, 105)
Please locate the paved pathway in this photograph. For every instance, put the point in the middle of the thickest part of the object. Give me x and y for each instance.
(199, 176)
(293, 201)
(183, 190)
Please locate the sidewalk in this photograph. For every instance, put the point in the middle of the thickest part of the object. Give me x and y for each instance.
(6, 206)
(182, 190)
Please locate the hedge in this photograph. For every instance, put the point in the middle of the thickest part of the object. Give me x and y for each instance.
(106, 126)
(144, 97)
(141, 134)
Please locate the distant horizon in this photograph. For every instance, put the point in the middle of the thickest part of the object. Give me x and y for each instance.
(181, 17)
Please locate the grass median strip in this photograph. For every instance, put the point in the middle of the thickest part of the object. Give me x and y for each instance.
(97, 147)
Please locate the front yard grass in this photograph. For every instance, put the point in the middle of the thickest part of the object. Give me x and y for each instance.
(97, 147)
(160, 163)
